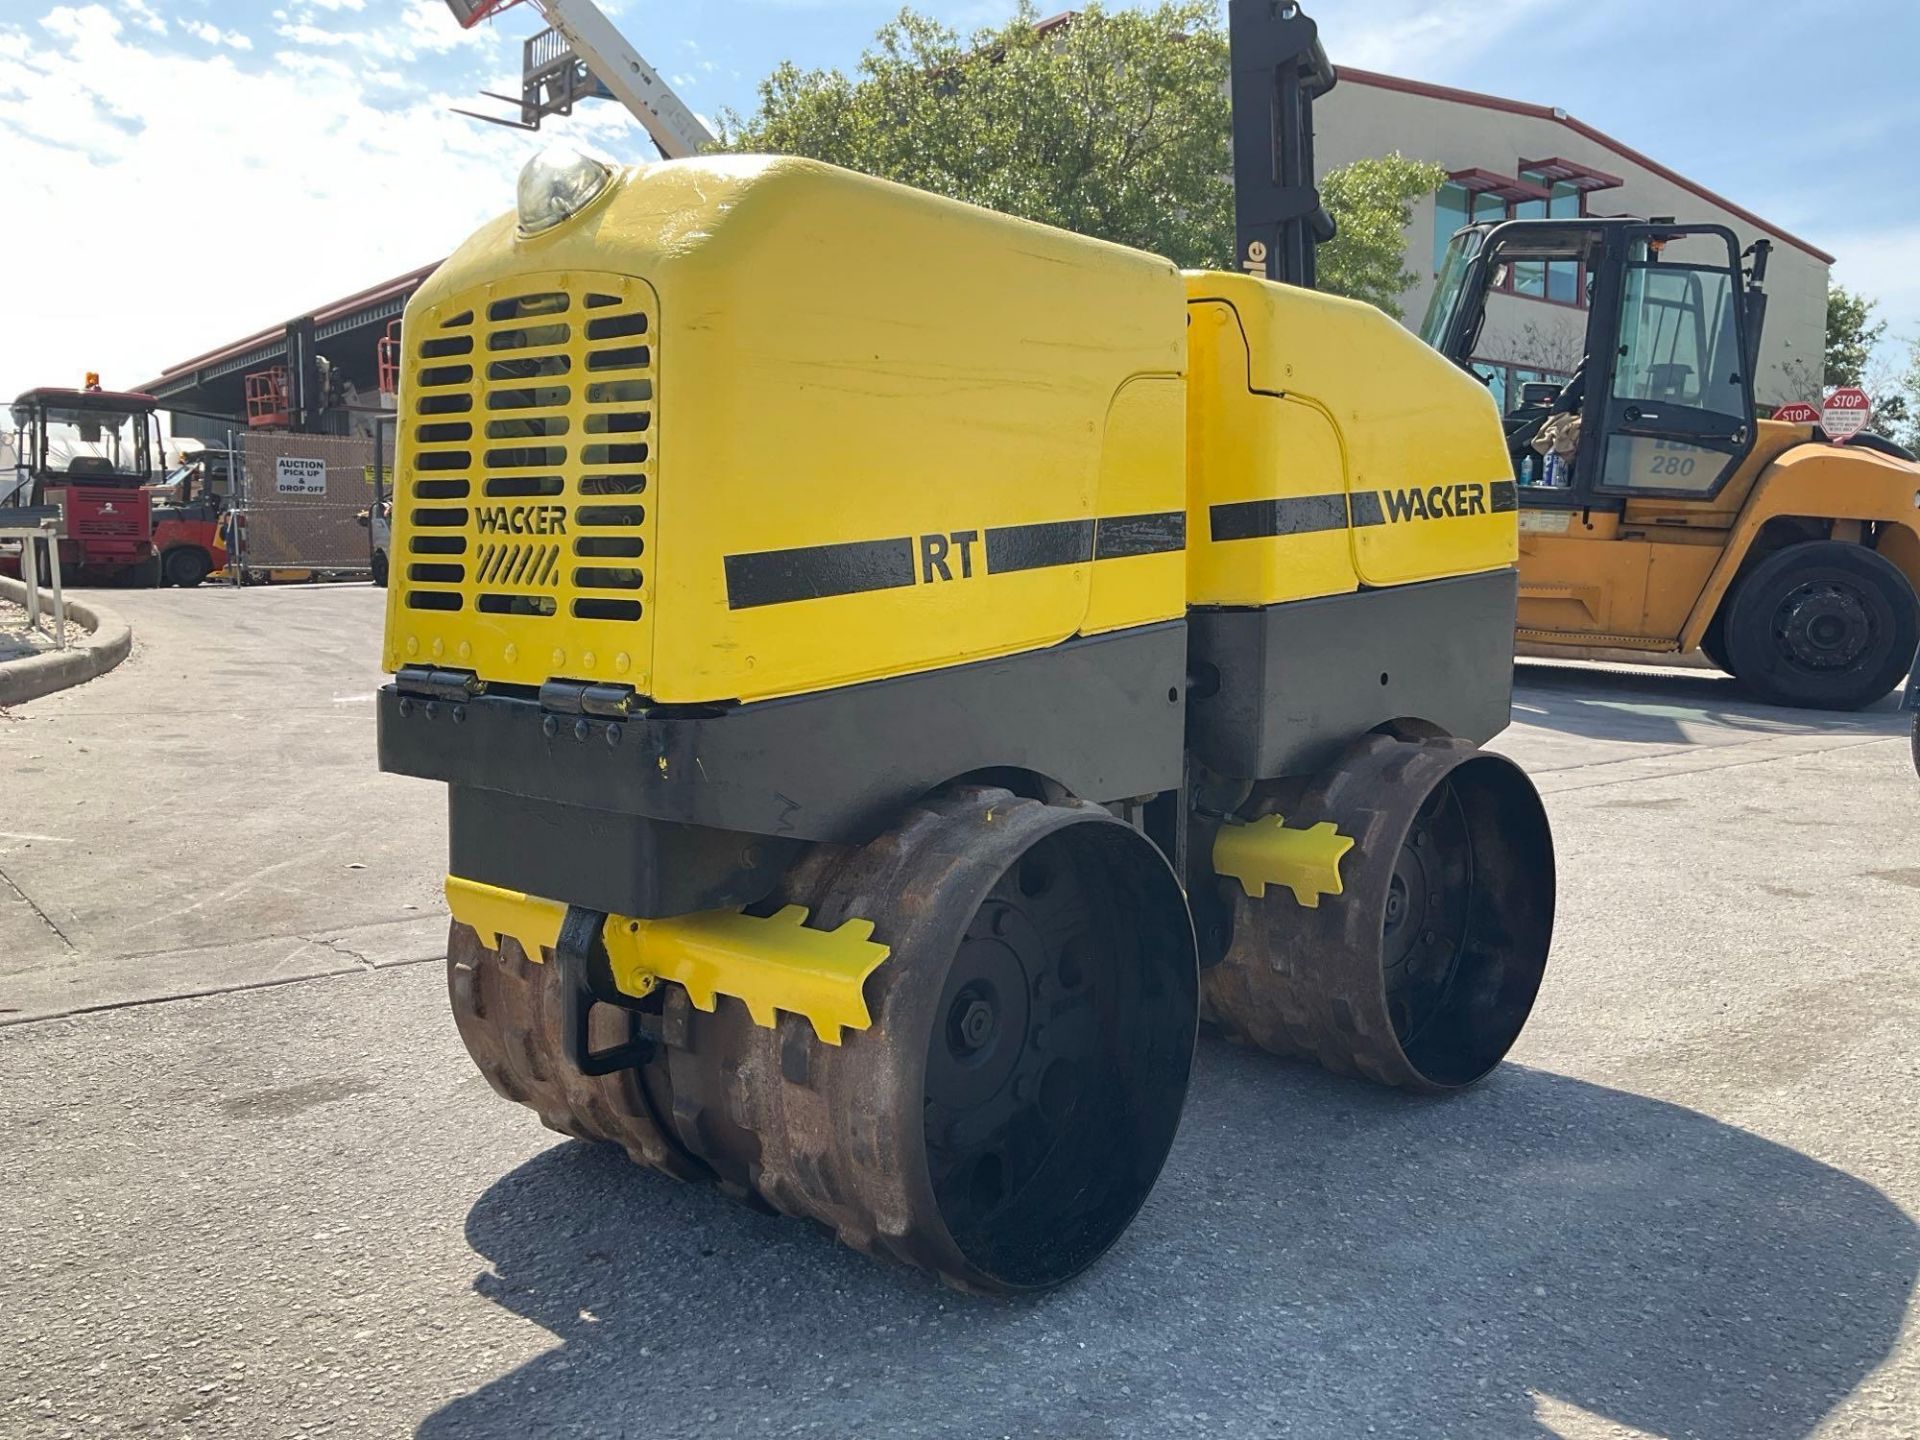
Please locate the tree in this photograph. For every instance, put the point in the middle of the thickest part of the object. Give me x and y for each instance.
(1905, 425)
(1115, 124)
(1371, 202)
(1853, 337)
(1852, 334)
(1852, 358)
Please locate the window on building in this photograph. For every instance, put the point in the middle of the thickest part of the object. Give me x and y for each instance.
(1530, 276)
(1454, 210)
(1558, 280)
(1563, 276)
(1450, 210)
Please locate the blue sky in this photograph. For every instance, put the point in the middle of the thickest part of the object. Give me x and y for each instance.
(260, 158)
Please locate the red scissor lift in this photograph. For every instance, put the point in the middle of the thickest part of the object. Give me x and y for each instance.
(269, 405)
(387, 354)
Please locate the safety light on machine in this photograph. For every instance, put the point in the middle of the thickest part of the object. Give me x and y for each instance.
(556, 185)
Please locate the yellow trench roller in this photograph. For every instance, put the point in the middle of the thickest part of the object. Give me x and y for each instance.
(895, 632)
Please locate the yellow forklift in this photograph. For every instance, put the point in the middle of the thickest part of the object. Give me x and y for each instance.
(1681, 520)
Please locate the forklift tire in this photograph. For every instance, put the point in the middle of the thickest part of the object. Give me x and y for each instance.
(144, 576)
(1823, 625)
(380, 569)
(187, 566)
(1713, 644)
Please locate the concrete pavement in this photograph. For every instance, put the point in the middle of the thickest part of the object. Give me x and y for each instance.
(208, 815)
(1686, 1209)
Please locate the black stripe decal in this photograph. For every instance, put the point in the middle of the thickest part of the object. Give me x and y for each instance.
(1039, 547)
(776, 577)
(1122, 535)
(1264, 519)
(1307, 514)
(812, 572)
(1366, 508)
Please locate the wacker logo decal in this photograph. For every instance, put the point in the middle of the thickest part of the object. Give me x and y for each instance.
(522, 519)
(1435, 502)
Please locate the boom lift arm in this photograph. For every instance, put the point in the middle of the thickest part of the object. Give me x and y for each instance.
(590, 37)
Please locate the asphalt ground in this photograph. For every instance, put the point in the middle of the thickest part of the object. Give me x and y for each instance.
(250, 1185)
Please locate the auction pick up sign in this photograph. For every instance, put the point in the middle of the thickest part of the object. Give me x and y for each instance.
(299, 475)
(1845, 414)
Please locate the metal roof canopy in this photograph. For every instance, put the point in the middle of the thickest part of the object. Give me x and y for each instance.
(1562, 171)
(1477, 181)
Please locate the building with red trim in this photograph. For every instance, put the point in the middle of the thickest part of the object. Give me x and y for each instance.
(346, 332)
(1505, 158)
(1508, 159)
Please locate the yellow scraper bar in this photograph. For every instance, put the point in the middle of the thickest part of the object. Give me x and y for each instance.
(493, 912)
(769, 964)
(1264, 852)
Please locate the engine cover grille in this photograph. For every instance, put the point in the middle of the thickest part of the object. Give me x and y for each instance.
(524, 480)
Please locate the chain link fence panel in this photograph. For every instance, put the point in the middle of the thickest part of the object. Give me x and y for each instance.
(302, 496)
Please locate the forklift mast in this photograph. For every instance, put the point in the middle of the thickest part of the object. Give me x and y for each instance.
(1755, 275)
(1279, 69)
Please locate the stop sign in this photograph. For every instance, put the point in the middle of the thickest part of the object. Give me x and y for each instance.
(1798, 413)
(1845, 413)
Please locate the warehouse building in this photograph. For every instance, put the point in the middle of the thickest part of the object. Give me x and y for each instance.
(1507, 159)
(330, 371)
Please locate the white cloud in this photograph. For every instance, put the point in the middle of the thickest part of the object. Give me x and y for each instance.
(1413, 37)
(430, 29)
(302, 33)
(144, 16)
(214, 35)
(260, 192)
(423, 29)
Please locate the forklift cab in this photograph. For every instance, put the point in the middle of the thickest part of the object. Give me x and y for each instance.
(1665, 391)
(199, 487)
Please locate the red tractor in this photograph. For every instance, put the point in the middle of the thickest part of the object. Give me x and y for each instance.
(91, 452)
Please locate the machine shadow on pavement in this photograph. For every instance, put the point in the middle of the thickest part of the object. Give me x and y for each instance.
(1320, 1258)
(1621, 703)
